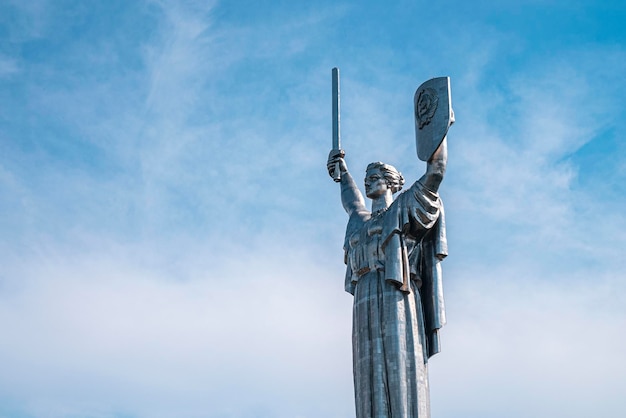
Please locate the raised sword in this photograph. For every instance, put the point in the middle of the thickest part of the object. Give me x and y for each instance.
(336, 123)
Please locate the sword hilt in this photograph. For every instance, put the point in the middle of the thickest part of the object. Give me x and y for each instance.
(337, 169)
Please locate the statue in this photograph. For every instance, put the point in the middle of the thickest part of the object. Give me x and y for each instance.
(393, 255)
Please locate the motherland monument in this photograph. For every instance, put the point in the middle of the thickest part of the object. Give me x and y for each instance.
(393, 255)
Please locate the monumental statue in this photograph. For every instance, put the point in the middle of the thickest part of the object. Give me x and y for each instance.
(393, 254)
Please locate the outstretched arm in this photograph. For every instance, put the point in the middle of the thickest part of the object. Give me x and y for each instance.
(351, 196)
(436, 167)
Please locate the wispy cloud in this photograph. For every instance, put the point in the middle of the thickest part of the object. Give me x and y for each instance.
(171, 243)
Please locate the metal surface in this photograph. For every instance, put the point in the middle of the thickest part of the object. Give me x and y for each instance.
(433, 115)
(336, 147)
(393, 255)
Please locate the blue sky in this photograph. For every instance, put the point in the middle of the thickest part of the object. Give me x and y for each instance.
(170, 241)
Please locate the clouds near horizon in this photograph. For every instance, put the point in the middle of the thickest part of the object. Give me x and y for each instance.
(171, 244)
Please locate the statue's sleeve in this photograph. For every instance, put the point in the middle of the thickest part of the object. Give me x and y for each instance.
(423, 207)
(433, 249)
(414, 245)
(410, 217)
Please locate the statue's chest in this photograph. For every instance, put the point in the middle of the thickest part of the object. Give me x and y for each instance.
(365, 247)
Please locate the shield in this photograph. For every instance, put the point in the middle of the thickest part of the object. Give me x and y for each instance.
(433, 115)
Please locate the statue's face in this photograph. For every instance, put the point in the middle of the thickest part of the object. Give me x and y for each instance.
(375, 183)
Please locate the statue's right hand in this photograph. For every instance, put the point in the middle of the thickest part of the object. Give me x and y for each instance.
(335, 159)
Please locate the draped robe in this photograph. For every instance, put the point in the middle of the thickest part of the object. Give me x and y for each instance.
(393, 271)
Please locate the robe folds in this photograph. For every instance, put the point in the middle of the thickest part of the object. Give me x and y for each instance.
(393, 270)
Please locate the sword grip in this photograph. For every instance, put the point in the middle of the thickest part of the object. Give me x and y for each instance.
(337, 173)
(334, 169)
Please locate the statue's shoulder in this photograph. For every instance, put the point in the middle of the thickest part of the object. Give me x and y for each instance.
(357, 220)
(405, 194)
(417, 189)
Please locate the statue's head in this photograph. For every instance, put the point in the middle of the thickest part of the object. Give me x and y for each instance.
(380, 177)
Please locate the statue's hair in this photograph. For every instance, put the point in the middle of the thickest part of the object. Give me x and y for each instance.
(394, 178)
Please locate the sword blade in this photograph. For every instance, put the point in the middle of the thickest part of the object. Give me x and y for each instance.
(336, 103)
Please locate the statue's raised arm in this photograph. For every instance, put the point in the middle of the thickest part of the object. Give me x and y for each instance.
(436, 167)
(351, 197)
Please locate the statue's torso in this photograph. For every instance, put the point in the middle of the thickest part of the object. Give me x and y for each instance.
(365, 244)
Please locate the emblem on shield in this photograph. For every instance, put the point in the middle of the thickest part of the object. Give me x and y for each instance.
(433, 115)
(426, 106)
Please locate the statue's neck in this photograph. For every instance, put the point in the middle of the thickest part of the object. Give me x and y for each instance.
(382, 202)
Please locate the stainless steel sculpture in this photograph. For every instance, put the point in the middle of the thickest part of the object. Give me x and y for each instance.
(336, 124)
(393, 255)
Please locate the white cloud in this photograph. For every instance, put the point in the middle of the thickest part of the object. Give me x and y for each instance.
(518, 174)
(106, 333)
(183, 270)
(519, 344)
(103, 333)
